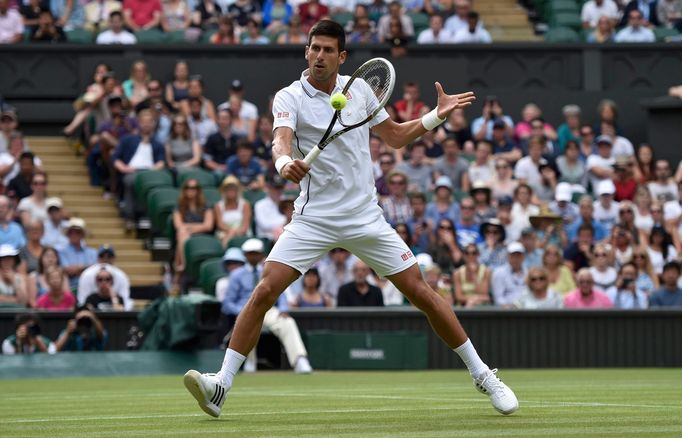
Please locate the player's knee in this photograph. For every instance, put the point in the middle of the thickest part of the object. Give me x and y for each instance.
(265, 294)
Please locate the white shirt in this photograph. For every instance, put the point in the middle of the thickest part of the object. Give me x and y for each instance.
(606, 217)
(143, 158)
(11, 25)
(111, 37)
(341, 182)
(54, 235)
(454, 23)
(247, 111)
(657, 260)
(35, 211)
(483, 172)
(596, 160)
(480, 35)
(526, 169)
(632, 35)
(591, 12)
(7, 158)
(87, 283)
(672, 210)
(268, 217)
(427, 36)
(622, 147)
(665, 192)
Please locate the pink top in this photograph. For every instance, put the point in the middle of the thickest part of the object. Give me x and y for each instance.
(598, 300)
(67, 303)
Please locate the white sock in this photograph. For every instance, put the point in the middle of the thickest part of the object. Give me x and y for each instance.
(474, 363)
(231, 364)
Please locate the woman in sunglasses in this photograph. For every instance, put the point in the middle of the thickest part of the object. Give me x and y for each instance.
(603, 273)
(647, 280)
(538, 294)
(472, 280)
(105, 298)
(559, 275)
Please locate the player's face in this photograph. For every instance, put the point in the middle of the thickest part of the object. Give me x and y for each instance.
(323, 57)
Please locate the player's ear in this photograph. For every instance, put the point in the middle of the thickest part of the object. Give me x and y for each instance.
(342, 57)
(306, 52)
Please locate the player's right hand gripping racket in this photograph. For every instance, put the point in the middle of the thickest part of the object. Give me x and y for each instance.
(379, 75)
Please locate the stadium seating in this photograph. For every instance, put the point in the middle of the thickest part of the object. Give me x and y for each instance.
(205, 178)
(212, 195)
(562, 35)
(151, 36)
(198, 249)
(253, 196)
(210, 272)
(79, 36)
(161, 203)
(147, 180)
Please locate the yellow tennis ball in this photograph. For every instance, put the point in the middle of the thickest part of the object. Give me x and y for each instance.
(338, 101)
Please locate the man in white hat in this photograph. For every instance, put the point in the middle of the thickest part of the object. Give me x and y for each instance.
(55, 225)
(605, 208)
(233, 259)
(509, 279)
(76, 256)
(242, 282)
(600, 165)
(562, 204)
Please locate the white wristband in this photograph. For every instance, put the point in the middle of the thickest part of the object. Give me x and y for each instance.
(431, 120)
(281, 162)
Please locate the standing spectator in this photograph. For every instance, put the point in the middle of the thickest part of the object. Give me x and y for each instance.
(177, 90)
(482, 127)
(233, 259)
(253, 34)
(135, 87)
(538, 294)
(120, 285)
(47, 31)
(473, 33)
(55, 225)
(116, 34)
(410, 107)
(30, 254)
(11, 24)
(192, 216)
(104, 297)
(246, 167)
(669, 13)
(472, 280)
(570, 166)
(661, 249)
(482, 168)
(56, 298)
(142, 14)
(76, 256)
(27, 338)
(604, 32)
(600, 166)
(626, 294)
(133, 154)
(669, 294)
(34, 207)
(648, 9)
(12, 283)
(570, 129)
(586, 296)
(220, 145)
(663, 188)
(396, 206)
(337, 272)
(559, 274)
(594, 9)
(635, 32)
(359, 293)
(509, 279)
(395, 12)
(84, 332)
(418, 171)
(435, 34)
(268, 217)
(645, 164)
(11, 233)
(452, 166)
(232, 213)
(182, 151)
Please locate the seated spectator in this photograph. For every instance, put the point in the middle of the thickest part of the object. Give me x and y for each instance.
(84, 332)
(56, 298)
(625, 184)
(435, 34)
(142, 14)
(177, 89)
(570, 129)
(503, 145)
(177, 17)
(246, 167)
(635, 31)
(359, 293)
(54, 233)
(622, 147)
(527, 169)
(533, 248)
(482, 127)
(225, 35)
(669, 13)
(253, 34)
(30, 11)
(602, 267)
(207, 16)
(12, 283)
(266, 211)
(47, 31)
(417, 169)
(472, 279)
(135, 87)
(20, 186)
(336, 272)
(644, 217)
(538, 294)
(644, 165)
(98, 14)
(36, 284)
(579, 253)
(509, 279)
(410, 107)
(647, 8)
(473, 33)
(586, 296)
(593, 10)
(310, 296)
(559, 274)
(244, 113)
(442, 205)
(493, 252)
(135, 153)
(445, 249)
(276, 15)
(263, 143)
(605, 208)
(669, 294)
(232, 213)
(116, 34)
(191, 216)
(600, 166)
(661, 249)
(626, 294)
(586, 208)
(452, 166)
(460, 19)
(76, 256)
(482, 168)
(467, 229)
(396, 205)
(89, 284)
(502, 184)
(604, 32)
(30, 254)
(586, 145)
(11, 233)
(622, 243)
(201, 125)
(182, 151)
(386, 166)
(504, 208)
(523, 209)
(673, 216)
(104, 297)
(11, 24)
(404, 232)
(8, 127)
(233, 259)
(294, 33)
(363, 32)
(27, 338)
(395, 13)
(220, 145)
(9, 160)
(663, 188)
(34, 207)
(647, 279)
(481, 194)
(242, 10)
(562, 205)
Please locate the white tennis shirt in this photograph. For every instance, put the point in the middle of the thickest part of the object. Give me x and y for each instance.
(340, 182)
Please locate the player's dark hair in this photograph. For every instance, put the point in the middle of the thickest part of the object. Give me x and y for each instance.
(331, 29)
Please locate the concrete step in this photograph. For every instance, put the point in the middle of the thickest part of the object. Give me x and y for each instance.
(140, 268)
(118, 244)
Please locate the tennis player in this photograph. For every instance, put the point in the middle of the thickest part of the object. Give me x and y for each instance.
(338, 207)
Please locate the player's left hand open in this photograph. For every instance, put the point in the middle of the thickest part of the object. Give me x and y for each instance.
(295, 170)
(450, 102)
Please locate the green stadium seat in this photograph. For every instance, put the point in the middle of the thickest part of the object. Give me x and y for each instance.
(151, 36)
(459, 195)
(343, 18)
(177, 37)
(566, 19)
(149, 179)
(663, 32)
(212, 195)
(210, 272)
(562, 35)
(206, 36)
(420, 22)
(253, 196)
(556, 6)
(79, 36)
(205, 178)
(197, 250)
(237, 242)
(161, 203)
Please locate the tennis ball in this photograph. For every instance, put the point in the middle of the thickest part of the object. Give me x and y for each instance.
(338, 101)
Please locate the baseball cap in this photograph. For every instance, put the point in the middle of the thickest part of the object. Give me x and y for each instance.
(7, 250)
(253, 245)
(444, 181)
(75, 222)
(234, 255)
(236, 85)
(106, 249)
(505, 200)
(606, 187)
(53, 202)
(604, 139)
(563, 192)
(515, 247)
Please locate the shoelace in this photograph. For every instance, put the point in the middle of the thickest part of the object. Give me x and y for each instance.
(495, 384)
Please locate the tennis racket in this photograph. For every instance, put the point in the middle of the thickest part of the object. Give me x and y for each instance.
(379, 75)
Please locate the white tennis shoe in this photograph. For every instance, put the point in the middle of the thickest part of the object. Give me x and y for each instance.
(207, 390)
(501, 396)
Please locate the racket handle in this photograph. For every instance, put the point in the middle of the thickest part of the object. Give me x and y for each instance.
(312, 155)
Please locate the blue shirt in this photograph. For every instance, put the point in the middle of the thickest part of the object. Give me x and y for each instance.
(666, 298)
(467, 234)
(72, 256)
(245, 174)
(12, 234)
(599, 230)
(478, 122)
(533, 259)
(242, 283)
(435, 216)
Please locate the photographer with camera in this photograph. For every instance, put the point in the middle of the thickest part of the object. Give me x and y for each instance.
(626, 295)
(482, 127)
(28, 338)
(84, 332)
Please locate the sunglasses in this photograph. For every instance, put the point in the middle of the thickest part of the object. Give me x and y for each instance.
(538, 278)
(625, 211)
(639, 256)
(397, 183)
(600, 254)
(585, 282)
(471, 253)
(387, 163)
(656, 210)
(445, 227)
(467, 207)
(104, 279)
(503, 166)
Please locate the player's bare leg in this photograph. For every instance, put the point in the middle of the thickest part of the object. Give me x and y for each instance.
(446, 325)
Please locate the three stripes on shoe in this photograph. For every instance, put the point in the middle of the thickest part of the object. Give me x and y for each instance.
(218, 395)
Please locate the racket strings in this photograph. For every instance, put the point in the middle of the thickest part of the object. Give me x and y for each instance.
(378, 76)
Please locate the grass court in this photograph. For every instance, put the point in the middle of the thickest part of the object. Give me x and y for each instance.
(632, 402)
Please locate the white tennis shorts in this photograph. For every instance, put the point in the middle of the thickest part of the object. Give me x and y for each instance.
(306, 239)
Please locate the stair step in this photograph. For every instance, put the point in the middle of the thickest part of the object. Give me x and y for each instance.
(118, 244)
